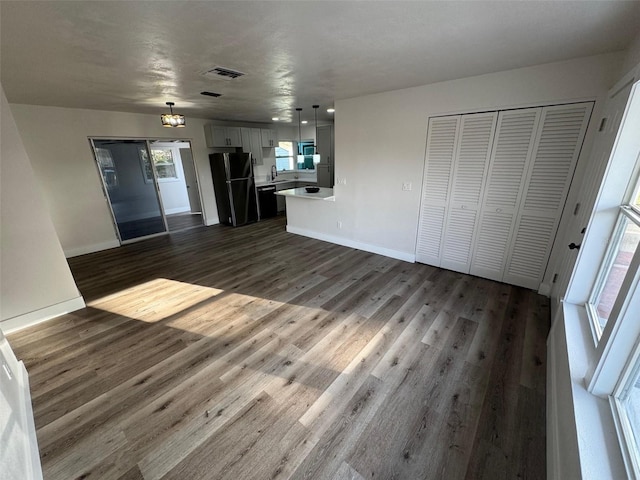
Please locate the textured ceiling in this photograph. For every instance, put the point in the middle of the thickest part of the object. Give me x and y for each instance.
(134, 56)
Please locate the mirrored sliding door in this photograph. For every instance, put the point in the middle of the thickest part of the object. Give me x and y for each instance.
(130, 184)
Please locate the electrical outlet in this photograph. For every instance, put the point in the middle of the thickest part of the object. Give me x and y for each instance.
(341, 181)
(406, 186)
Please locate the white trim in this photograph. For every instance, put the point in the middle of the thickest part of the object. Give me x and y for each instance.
(598, 447)
(620, 425)
(387, 252)
(519, 106)
(96, 247)
(38, 316)
(545, 289)
(172, 211)
(619, 336)
(213, 221)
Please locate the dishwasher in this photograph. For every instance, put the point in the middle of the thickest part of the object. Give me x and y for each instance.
(267, 201)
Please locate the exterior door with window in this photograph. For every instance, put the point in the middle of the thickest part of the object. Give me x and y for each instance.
(130, 185)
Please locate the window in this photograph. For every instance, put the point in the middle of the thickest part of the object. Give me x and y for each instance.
(108, 167)
(284, 156)
(622, 247)
(626, 402)
(304, 159)
(307, 159)
(607, 277)
(163, 162)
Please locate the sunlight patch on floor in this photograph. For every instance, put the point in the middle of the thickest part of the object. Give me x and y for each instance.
(155, 300)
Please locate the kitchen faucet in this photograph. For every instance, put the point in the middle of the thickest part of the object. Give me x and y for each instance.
(274, 172)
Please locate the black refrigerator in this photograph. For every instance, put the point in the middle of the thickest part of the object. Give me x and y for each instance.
(235, 188)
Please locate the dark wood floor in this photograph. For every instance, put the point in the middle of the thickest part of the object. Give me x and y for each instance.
(251, 353)
(182, 221)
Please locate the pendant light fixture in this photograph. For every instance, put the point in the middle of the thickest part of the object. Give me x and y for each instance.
(316, 155)
(300, 156)
(172, 119)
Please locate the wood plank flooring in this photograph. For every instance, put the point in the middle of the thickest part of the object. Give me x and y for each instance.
(251, 353)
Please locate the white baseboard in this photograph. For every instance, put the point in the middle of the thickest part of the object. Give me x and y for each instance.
(213, 221)
(545, 289)
(97, 247)
(387, 252)
(32, 318)
(171, 211)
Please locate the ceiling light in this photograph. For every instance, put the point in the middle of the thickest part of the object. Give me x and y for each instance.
(275, 119)
(172, 119)
(316, 156)
(304, 122)
(300, 156)
(331, 110)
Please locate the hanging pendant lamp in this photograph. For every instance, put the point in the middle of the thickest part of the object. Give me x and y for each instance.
(316, 155)
(300, 156)
(172, 119)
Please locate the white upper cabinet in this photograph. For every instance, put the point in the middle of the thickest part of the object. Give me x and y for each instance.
(221, 136)
(268, 137)
(252, 143)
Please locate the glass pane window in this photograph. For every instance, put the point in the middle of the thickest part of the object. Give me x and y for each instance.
(624, 244)
(635, 198)
(628, 407)
(284, 156)
(107, 167)
(163, 162)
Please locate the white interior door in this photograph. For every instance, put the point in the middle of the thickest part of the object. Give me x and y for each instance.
(470, 169)
(191, 180)
(558, 143)
(592, 173)
(19, 458)
(438, 171)
(511, 153)
(494, 189)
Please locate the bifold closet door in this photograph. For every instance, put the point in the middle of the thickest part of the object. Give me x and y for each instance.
(510, 157)
(458, 149)
(557, 147)
(475, 137)
(494, 189)
(442, 135)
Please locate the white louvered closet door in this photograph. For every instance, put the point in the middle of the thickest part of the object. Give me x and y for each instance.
(469, 173)
(510, 156)
(558, 143)
(440, 153)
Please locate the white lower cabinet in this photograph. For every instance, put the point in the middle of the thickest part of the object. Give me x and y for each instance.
(494, 188)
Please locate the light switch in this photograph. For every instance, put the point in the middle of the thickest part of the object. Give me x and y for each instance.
(406, 186)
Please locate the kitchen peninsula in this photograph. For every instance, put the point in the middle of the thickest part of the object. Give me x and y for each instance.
(322, 194)
(311, 214)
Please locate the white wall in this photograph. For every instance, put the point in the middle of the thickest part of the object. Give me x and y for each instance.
(56, 140)
(173, 191)
(380, 141)
(35, 280)
(632, 58)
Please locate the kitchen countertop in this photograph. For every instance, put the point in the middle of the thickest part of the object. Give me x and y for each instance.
(323, 194)
(263, 183)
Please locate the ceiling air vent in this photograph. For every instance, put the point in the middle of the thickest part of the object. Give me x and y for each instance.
(223, 72)
(211, 94)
